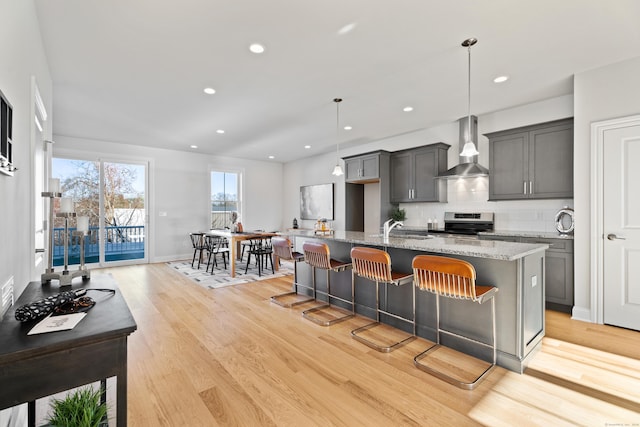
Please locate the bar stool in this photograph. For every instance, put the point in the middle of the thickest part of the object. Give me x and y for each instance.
(375, 265)
(318, 257)
(452, 278)
(282, 250)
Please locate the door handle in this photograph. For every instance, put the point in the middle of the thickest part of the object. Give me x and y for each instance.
(39, 251)
(614, 237)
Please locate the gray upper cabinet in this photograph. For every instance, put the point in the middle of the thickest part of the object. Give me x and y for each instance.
(414, 172)
(533, 162)
(364, 167)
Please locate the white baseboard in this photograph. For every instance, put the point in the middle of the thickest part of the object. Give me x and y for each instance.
(583, 314)
(171, 258)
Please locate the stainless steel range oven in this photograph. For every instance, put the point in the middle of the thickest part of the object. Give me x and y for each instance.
(456, 224)
(466, 223)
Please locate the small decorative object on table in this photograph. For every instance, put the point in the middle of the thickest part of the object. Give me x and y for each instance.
(295, 223)
(67, 212)
(322, 227)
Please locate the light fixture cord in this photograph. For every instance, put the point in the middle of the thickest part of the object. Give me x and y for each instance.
(469, 98)
(337, 101)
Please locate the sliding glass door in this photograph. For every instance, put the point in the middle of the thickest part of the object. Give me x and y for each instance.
(112, 195)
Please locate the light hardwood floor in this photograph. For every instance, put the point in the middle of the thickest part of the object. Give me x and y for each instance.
(230, 357)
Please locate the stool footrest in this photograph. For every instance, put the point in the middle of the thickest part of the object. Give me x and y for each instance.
(381, 348)
(285, 299)
(322, 315)
(449, 378)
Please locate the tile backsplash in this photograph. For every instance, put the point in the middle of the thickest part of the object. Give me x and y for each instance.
(471, 195)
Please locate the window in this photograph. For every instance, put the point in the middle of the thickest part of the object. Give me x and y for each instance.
(225, 198)
(112, 195)
(6, 137)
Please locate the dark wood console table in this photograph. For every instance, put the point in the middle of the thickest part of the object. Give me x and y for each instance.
(36, 366)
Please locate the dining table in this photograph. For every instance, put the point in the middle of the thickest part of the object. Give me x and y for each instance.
(235, 240)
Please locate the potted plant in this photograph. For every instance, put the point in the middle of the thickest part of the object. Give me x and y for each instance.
(80, 408)
(398, 214)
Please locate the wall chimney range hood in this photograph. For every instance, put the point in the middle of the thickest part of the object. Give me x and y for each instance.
(468, 166)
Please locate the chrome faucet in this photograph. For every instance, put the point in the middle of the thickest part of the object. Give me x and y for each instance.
(387, 227)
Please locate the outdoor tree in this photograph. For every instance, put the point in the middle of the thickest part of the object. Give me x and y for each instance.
(122, 203)
(223, 210)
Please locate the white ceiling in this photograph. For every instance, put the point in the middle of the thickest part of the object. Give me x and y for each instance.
(134, 71)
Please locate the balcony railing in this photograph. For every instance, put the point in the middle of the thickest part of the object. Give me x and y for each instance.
(120, 243)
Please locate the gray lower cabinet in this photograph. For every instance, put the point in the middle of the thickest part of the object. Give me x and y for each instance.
(363, 167)
(414, 172)
(558, 269)
(533, 162)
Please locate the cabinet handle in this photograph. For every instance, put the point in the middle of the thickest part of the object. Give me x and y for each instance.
(524, 187)
(530, 187)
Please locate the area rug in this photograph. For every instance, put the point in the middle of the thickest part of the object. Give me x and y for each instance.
(221, 277)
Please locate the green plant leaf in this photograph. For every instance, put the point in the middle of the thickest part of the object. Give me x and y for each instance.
(80, 408)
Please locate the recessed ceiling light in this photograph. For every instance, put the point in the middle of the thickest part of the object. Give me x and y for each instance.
(272, 157)
(307, 146)
(501, 79)
(221, 131)
(256, 48)
(348, 128)
(209, 90)
(347, 28)
(407, 109)
(194, 146)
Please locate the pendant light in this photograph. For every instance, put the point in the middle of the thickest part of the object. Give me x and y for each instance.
(337, 170)
(469, 148)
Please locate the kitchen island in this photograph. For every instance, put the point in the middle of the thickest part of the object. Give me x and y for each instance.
(517, 269)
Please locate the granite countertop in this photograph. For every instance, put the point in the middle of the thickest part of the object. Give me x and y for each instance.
(534, 234)
(408, 229)
(465, 246)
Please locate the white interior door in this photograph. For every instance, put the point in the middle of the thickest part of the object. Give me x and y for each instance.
(621, 226)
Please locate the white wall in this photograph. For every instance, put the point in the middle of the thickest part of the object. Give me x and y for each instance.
(463, 195)
(22, 56)
(179, 184)
(600, 94)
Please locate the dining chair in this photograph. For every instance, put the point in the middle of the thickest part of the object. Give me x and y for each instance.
(248, 244)
(197, 241)
(216, 245)
(262, 250)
